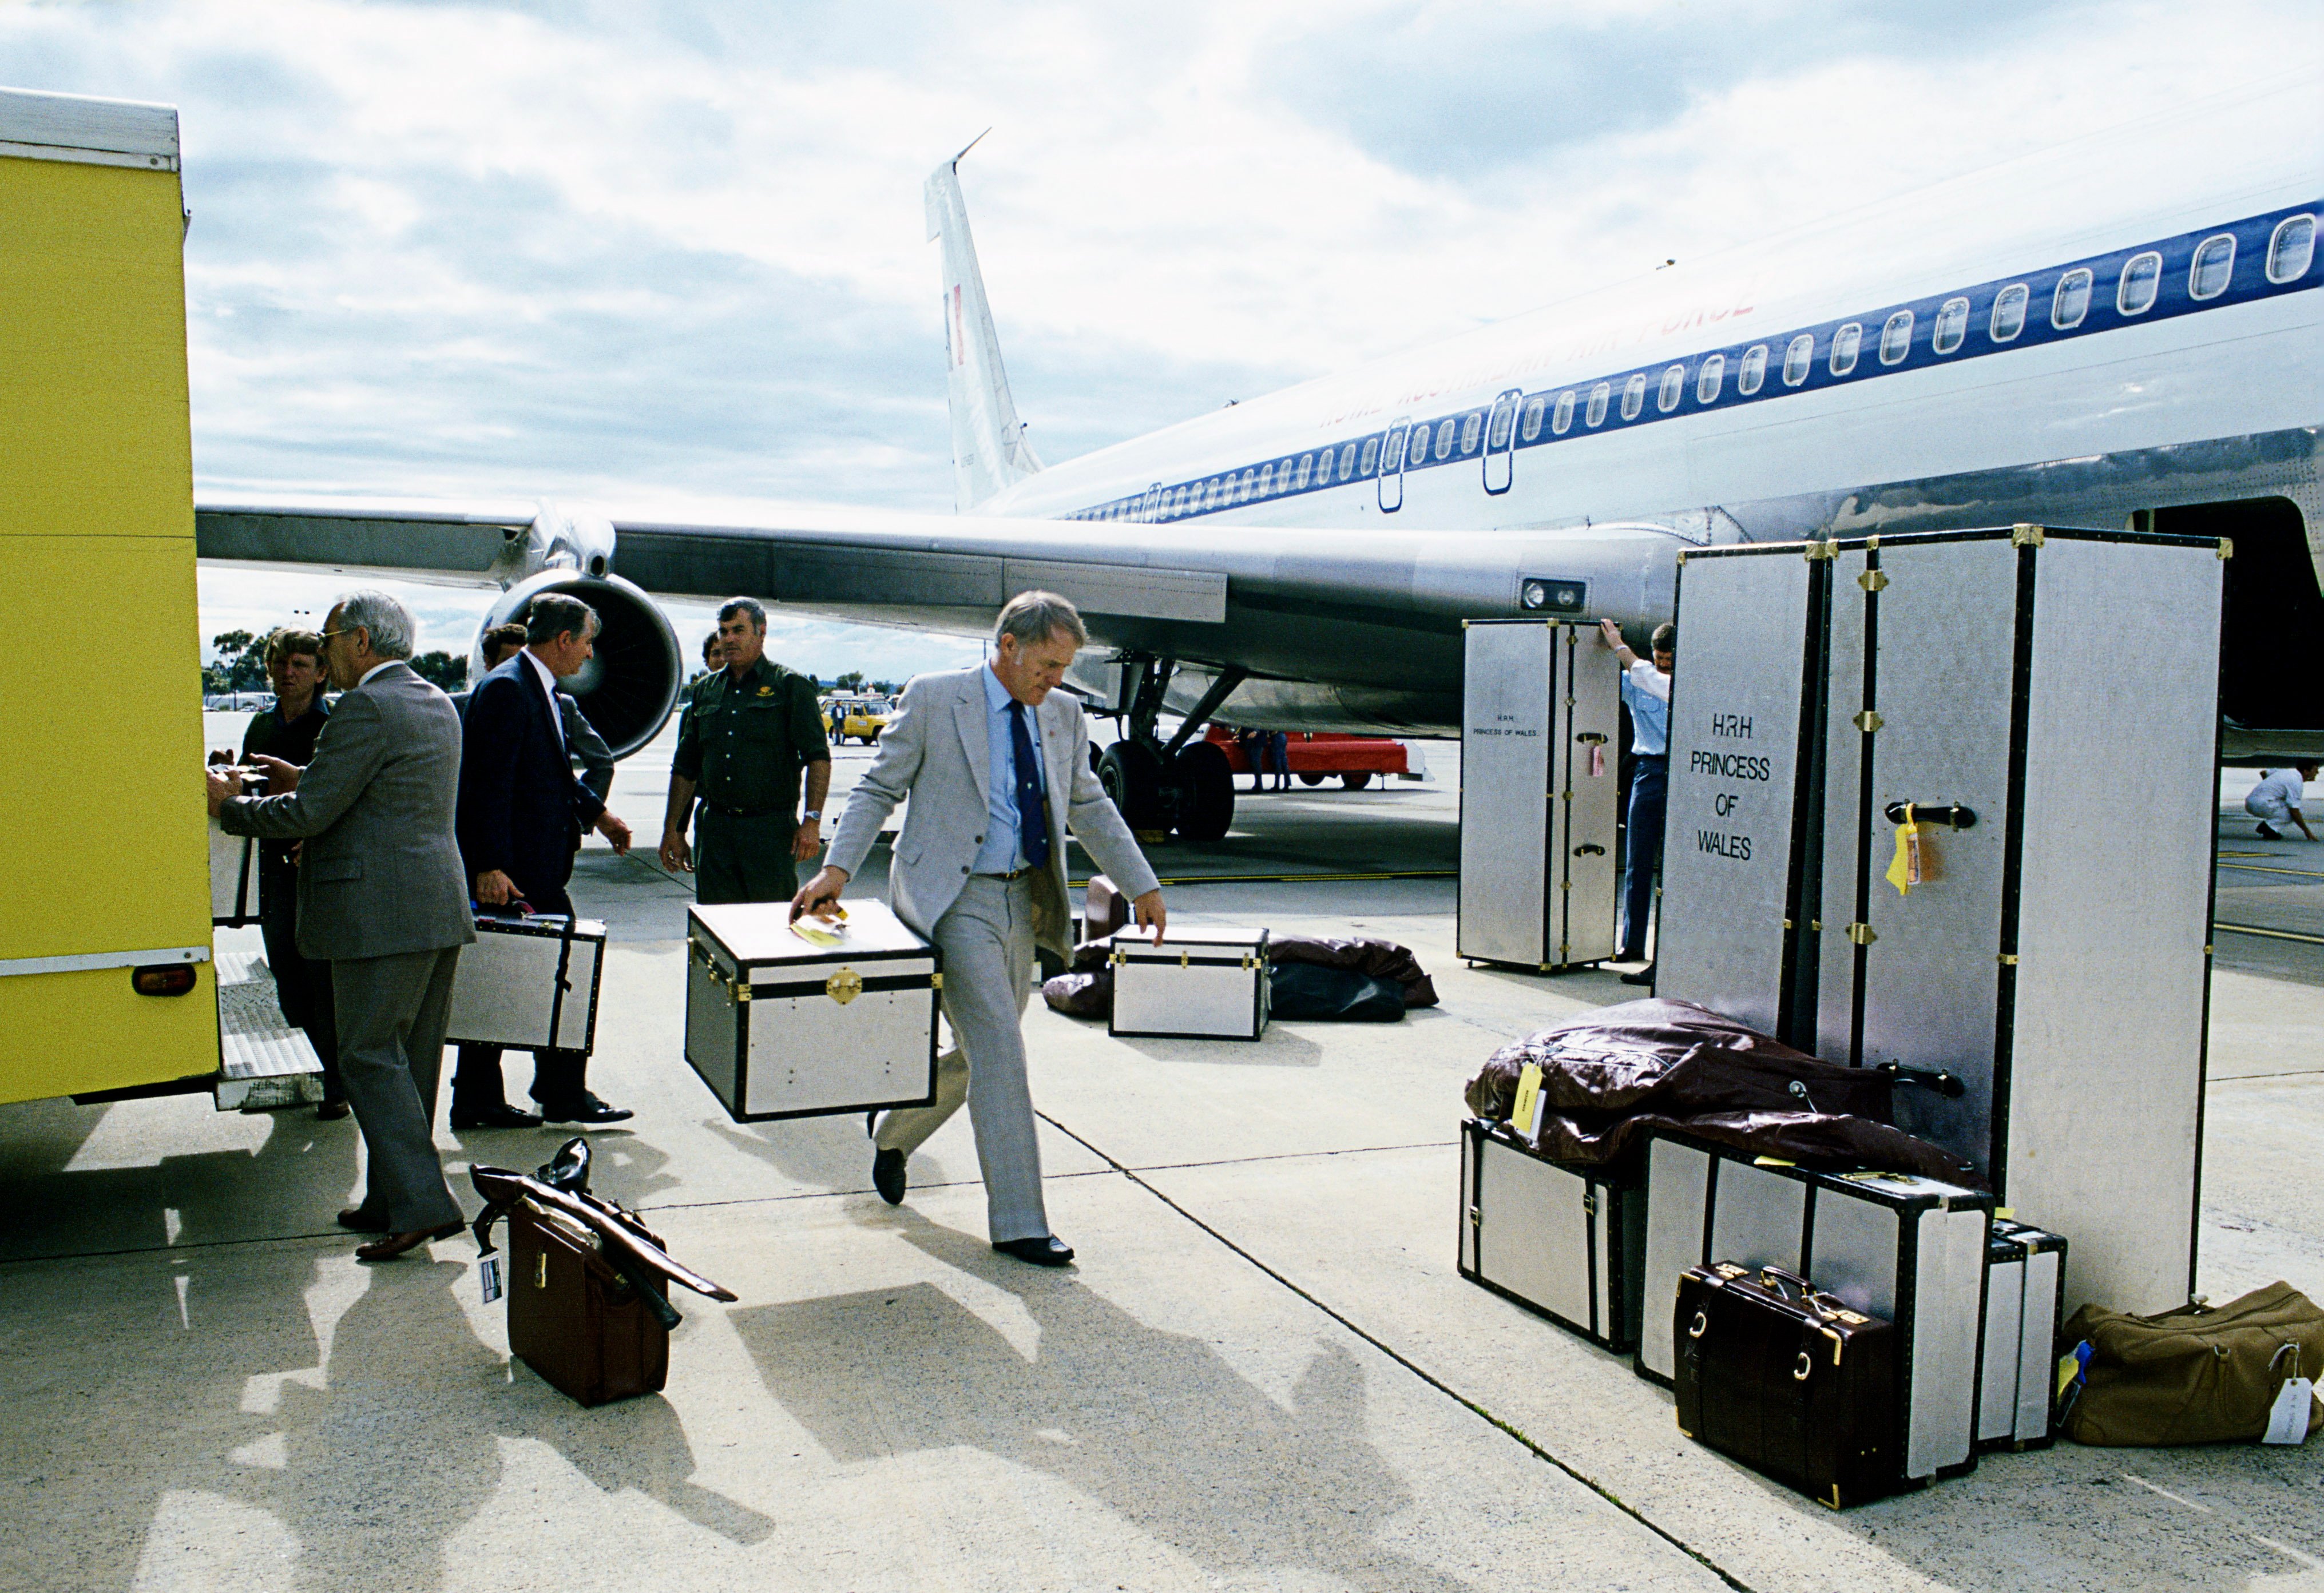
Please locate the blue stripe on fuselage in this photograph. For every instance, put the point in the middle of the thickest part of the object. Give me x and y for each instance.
(1351, 459)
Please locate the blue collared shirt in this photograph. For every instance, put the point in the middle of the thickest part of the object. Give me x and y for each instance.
(1650, 709)
(1001, 852)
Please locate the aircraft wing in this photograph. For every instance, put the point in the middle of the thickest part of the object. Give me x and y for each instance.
(1193, 592)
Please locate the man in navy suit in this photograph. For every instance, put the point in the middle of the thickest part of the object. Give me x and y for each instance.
(521, 815)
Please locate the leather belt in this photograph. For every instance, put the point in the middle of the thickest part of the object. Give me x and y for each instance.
(1011, 875)
(722, 811)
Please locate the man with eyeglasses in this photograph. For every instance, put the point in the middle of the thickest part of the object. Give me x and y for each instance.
(382, 896)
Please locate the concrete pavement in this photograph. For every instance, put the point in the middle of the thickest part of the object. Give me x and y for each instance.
(1263, 1373)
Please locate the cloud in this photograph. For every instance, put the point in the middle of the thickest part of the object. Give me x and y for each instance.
(625, 249)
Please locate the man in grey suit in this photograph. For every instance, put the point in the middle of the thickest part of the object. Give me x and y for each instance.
(382, 896)
(996, 762)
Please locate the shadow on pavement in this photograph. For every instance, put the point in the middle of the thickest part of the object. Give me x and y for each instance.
(1157, 1426)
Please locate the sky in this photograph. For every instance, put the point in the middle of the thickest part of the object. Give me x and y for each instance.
(649, 251)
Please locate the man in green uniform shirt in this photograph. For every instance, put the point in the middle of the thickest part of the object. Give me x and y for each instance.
(747, 732)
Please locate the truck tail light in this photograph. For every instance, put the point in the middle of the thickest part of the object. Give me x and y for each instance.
(162, 979)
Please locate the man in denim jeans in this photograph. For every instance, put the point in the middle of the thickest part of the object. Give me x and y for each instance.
(1646, 692)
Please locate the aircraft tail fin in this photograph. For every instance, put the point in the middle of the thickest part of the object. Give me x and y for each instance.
(988, 447)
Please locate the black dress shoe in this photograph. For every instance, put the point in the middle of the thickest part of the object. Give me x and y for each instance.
(888, 1176)
(398, 1243)
(331, 1112)
(585, 1107)
(1048, 1251)
(364, 1221)
(499, 1115)
(1643, 976)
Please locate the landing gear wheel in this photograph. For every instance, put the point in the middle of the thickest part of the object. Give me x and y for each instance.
(1206, 792)
(1356, 780)
(1311, 780)
(1131, 774)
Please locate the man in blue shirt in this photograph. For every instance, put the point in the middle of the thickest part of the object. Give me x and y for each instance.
(994, 762)
(1646, 692)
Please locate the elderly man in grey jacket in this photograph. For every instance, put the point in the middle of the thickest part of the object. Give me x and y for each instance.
(996, 762)
(382, 896)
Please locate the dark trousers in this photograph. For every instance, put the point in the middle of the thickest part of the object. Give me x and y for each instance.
(559, 1077)
(1642, 850)
(743, 859)
(302, 985)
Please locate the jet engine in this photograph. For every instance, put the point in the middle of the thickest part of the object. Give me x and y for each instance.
(629, 686)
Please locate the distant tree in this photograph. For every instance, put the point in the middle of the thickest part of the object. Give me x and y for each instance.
(886, 688)
(442, 670)
(850, 681)
(241, 663)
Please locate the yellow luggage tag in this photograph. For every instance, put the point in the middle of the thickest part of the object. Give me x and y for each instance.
(1525, 1113)
(1904, 868)
(818, 936)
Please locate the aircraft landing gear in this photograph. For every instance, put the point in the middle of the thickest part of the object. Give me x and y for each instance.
(1183, 784)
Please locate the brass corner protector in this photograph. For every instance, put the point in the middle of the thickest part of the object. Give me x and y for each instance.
(2022, 535)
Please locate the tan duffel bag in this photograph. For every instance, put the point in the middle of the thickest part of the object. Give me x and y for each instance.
(2196, 1375)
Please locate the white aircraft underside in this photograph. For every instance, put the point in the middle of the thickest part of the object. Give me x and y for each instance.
(1293, 561)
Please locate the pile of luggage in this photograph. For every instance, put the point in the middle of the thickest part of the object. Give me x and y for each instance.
(1834, 1302)
(1302, 977)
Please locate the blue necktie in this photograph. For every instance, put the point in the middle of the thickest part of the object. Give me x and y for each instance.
(1032, 814)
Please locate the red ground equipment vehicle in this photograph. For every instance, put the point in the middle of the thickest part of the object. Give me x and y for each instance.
(1316, 756)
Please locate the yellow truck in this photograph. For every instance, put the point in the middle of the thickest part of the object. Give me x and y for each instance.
(107, 983)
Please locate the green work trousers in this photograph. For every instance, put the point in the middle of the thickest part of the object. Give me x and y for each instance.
(743, 859)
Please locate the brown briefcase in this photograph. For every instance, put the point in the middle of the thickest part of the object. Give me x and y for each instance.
(572, 1318)
(1789, 1381)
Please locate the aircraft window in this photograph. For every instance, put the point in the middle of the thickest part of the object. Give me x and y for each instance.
(1674, 388)
(1634, 396)
(2292, 248)
(1896, 338)
(1563, 417)
(2008, 313)
(1844, 344)
(1707, 384)
(2072, 301)
(1753, 372)
(2214, 262)
(1469, 428)
(1445, 438)
(1266, 480)
(1220, 488)
(1534, 405)
(1951, 328)
(1797, 357)
(1371, 454)
(1598, 396)
(1243, 485)
(1505, 418)
(1348, 460)
(1306, 469)
(2142, 279)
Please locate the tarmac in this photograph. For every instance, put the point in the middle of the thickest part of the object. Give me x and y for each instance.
(1263, 1372)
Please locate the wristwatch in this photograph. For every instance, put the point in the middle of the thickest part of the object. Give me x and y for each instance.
(813, 812)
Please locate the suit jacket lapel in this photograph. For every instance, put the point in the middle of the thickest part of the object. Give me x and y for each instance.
(1056, 749)
(968, 716)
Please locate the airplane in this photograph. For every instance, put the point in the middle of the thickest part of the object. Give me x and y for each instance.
(2122, 329)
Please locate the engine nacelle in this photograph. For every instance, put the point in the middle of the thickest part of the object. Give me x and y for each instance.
(628, 688)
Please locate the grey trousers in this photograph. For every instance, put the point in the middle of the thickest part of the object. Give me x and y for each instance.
(987, 940)
(392, 1012)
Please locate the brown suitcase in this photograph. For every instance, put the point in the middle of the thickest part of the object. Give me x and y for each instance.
(1104, 909)
(572, 1319)
(1788, 1381)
